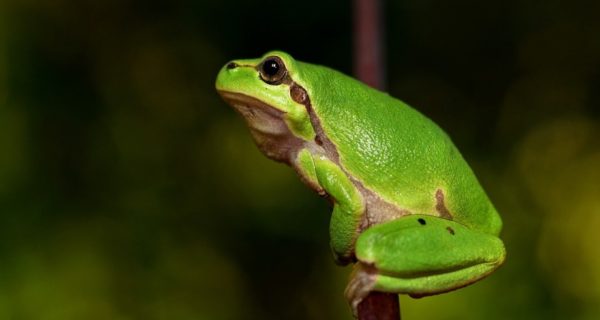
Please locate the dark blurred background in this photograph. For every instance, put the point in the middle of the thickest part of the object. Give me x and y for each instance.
(129, 190)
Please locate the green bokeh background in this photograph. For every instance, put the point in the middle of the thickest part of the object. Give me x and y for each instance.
(129, 190)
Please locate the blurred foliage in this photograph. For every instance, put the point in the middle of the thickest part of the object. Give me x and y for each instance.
(129, 190)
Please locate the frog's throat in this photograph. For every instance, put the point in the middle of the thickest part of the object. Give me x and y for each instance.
(267, 126)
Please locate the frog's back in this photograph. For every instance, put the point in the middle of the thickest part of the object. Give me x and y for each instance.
(397, 152)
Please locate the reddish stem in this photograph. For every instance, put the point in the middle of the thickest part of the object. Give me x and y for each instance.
(379, 306)
(369, 67)
(369, 63)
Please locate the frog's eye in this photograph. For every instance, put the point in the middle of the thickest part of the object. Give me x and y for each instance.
(272, 70)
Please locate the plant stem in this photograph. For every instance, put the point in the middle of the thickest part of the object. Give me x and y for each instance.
(369, 66)
(379, 306)
(369, 61)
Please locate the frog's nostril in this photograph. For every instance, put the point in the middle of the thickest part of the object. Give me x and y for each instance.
(232, 65)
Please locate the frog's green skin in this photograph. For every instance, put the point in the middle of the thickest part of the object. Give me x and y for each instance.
(407, 207)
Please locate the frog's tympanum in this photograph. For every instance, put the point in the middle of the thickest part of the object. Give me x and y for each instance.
(407, 209)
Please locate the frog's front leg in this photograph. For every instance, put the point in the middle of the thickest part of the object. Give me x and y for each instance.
(421, 255)
(348, 205)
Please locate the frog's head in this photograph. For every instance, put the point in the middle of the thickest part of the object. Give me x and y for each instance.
(274, 105)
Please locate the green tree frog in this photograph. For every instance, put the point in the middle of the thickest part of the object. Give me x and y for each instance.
(407, 209)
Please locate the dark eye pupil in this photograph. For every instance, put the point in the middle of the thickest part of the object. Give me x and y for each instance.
(270, 67)
(272, 70)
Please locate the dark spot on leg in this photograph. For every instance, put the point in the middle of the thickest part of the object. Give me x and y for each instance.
(440, 206)
(422, 221)
(450, 230)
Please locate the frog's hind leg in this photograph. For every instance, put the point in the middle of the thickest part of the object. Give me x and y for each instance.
(421, 255)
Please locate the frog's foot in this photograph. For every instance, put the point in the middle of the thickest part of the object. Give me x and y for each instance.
(362, 281)
(421, 255)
